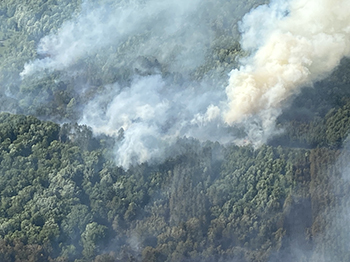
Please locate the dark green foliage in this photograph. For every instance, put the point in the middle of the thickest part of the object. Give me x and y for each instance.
(60, 194)
(329, 131)
(63, 199)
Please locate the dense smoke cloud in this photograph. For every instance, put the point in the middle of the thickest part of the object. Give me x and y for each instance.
(152, 114)
(155, 108)
(294, 43)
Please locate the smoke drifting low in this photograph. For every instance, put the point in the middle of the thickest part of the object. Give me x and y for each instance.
(111, 24)
(294, 43)
(152, 114)
(163, 43)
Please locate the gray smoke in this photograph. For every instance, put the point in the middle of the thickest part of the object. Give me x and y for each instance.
(167, 42)
(155, 22)
(153, 114)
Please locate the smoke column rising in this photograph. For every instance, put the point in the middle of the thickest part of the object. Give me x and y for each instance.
(153, 110)
(293, 44)
(153, 113)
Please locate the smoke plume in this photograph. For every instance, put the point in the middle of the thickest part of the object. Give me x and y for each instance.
(164, 43)
(293, 44)
(152, 113)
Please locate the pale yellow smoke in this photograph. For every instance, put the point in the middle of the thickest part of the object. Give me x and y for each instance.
(300, 48)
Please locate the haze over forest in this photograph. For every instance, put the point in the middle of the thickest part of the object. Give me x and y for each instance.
(174, 130)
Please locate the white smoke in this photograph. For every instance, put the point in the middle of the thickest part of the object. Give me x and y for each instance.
(99, 26)
(155, 109)
(153, 114)
(294, 43)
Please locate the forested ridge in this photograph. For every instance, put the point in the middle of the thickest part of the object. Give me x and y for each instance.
(64, 198)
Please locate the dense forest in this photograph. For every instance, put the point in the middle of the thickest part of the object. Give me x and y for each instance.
(65, 197)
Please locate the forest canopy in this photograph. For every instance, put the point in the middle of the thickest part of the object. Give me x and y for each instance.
(111, 151)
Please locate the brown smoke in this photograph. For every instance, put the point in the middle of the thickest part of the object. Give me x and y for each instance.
(301, 47)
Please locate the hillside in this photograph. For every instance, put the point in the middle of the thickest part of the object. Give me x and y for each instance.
(62, 199)
(112, 148)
